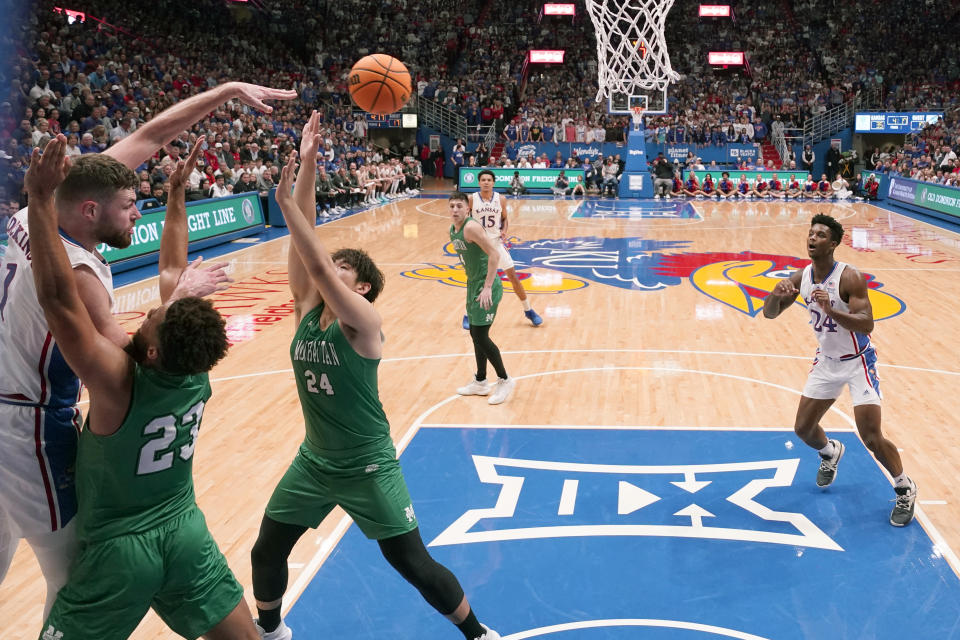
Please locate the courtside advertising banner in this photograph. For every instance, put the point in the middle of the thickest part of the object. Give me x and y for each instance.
(925, 194)
(205, 219)
(532, 178)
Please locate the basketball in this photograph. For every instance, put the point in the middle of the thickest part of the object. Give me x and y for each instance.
(380, 84)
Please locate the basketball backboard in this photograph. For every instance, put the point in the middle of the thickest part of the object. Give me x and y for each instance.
(653, 101)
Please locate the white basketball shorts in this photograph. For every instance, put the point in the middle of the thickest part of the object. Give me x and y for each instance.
(38, 452)
(828, 376)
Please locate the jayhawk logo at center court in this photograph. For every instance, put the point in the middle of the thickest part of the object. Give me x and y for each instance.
(738, 280)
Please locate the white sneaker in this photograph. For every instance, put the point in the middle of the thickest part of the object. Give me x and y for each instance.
(283, 632)
(475, 388)
(490, 633)
(501, 391)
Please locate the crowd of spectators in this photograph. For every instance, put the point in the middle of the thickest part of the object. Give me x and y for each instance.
(97, 84)
(929, 155)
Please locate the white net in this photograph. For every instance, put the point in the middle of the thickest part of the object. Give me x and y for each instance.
(631, 46)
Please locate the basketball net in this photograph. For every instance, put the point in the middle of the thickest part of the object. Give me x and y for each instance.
(637, 117)
(631, 46)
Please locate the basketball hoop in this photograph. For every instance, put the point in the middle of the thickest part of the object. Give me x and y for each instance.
(637, 116)
(631, 46)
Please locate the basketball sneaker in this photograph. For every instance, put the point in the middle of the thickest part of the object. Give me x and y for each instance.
(828, 466)
(533, 317)
(501, 391)
(490, 633)
(466, 323)
(475, 388)
(906, 500)
(283, 632)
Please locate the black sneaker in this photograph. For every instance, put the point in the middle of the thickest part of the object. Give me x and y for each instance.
(828, 466)
(902, 513)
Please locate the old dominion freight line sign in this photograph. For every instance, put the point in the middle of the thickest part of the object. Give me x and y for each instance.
(926, 195)
(205, 219)
(532, 178)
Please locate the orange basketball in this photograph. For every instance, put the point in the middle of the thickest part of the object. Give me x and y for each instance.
(380, 84)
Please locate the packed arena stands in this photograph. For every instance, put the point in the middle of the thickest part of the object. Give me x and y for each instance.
(97, 83)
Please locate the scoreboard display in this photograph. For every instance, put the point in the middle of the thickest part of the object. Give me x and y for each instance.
(894, 122)
(388, 121)
(396, 120)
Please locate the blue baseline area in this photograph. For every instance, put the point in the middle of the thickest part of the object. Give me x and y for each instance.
(627, 559)
(636, 209)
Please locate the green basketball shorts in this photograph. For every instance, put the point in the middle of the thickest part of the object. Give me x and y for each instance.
(370, 488)
(175, 568)
(477, 314)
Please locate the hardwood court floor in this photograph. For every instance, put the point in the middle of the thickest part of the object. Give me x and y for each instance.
(648, 321)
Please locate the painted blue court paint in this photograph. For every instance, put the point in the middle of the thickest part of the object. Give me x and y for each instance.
(636, 210)
(679, 535)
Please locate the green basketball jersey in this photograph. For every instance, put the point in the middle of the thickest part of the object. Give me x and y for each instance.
(338, 392)
(473, 256)
(142, 475)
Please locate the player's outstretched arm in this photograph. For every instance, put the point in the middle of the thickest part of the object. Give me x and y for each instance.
(352, 309)
(783, 295)
(473, 232)
(96, 360)
(305, 294)
(175, 238)
(145, 141)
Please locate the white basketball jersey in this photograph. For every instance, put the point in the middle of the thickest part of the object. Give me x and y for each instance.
(835, 341)
(489, 213)
(34, 371)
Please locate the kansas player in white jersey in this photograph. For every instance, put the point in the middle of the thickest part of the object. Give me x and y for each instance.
(841, 316)
(38, 420)
(489, 209)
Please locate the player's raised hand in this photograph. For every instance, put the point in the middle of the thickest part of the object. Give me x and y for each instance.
(254, 95)
(785, 288)
(285, 186)
(47, 170)
(178, 179)
(310, 140)
(201, 280)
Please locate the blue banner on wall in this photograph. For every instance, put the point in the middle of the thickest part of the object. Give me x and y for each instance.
(727, 154)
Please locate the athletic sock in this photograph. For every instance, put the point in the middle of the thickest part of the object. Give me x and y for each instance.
(902, 480)
(269, 619)
(470, 627)
(829, 450)
(526, 304)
